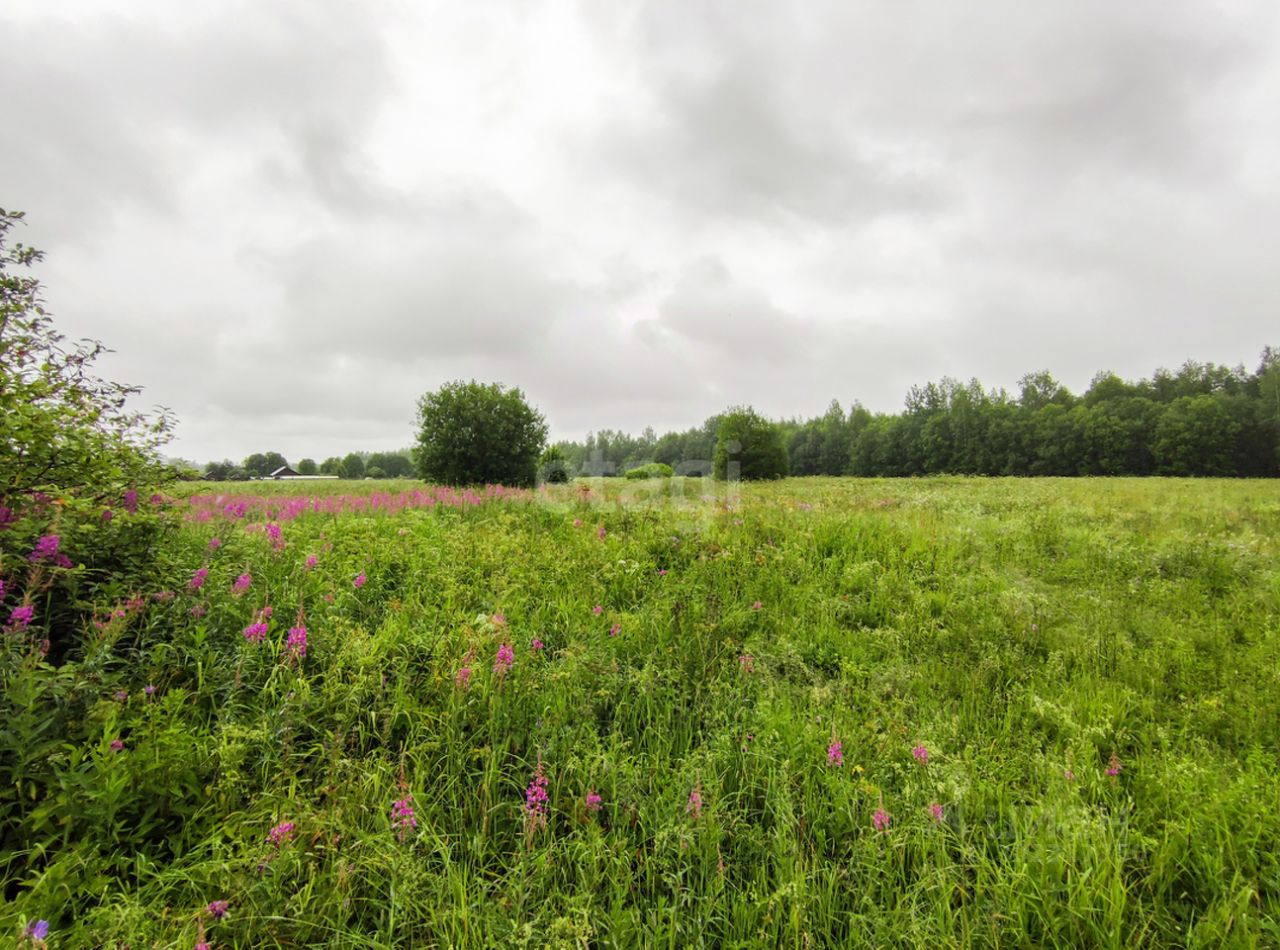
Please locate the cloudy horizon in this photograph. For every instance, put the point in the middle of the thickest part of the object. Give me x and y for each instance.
(290, 220)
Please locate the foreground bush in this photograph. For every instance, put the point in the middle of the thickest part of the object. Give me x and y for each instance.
(652, 470)
(477, 434)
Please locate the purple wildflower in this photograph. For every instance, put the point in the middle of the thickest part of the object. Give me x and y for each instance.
(131, 501)
(218, 909)
(880, 819)
(694, 805)
(756, 606)
(504, 660)
(215, 543)
(536, 645)
(601, 532)
(46, 551)
(38, 930)
(747, 663)
(242, 583)
(106, 514)
(197, 579)
(921, 754)
(835, 753)
(615, 630)
(360, 580)
(402, 816)
(297, 642)
(117, 745)
(311, 561)
(463, 679)
(597, 610)
(149, 689)
(121, 695)
(935, 811)
(281, 834)
(255, 632)
(535, 800)
(273, 532)
(19, 618)
(594, 801)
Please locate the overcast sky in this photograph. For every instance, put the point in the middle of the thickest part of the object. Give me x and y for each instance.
(292, 219)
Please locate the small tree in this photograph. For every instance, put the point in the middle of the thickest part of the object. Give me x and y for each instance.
(353, 466)
(308, 467)
(751, 443)
(475, 434)
(553, 467)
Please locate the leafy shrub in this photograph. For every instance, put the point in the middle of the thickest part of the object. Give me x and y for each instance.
(748, 447)
(477, 434)
(652, 470)
(553, 467)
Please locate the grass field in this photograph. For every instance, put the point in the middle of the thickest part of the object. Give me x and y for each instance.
(941, 712)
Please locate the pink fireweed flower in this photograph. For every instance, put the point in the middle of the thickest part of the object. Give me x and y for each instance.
(215, 543)
(505, 658)
(197, 579)
(694, 805)
(117, 745)
(106, 514)
(881, 819)
(536, 645)
(577, 522)
(273, 531)
(242, 583)
(747, 663)
(498, 620)
(255, 632)
(360, 581)
(597, 610)
(935, 811)
(1069, 775)
(130, 502)
(121, 695)
(402, 816)
(281, 834)
(662, 572)
(594, 801)
(601, 533)
(20, 618)
(297, 641)
(536, 800)
(265, 613)
(199, 610)
(149, 689)
(217, 909)
(921, 754)
(1114, 767)
(202, 945)
(835, 753)
(311, 561)
(463, 679)
(615, 630)
(47, 551)
(756, 606)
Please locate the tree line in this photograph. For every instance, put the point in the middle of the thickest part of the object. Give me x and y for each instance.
(1201, 420)
(397, 464)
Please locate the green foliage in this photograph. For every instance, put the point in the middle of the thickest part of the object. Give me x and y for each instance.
(476, 434)
(262, 464)
(331, 466)
(553, 467)
(651, 470)
(353, 466)
(748, 447)
(77, 468)
(308, 467)
(1023, 632)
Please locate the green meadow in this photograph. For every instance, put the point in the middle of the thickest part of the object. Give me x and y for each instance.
(939, 712)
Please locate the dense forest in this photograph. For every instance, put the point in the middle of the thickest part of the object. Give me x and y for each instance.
(1203, 419)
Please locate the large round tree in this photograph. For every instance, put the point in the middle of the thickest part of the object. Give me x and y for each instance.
(748, 447)
(478, 434)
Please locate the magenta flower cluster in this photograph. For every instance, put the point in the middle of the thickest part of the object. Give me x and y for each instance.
(835, 753)
(296, 644)
(47, 551)
(198, 578)
(536, 799)
(504, 660)
(402, 816)
(281, 834)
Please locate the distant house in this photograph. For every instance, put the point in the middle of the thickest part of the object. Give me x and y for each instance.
(284, 471)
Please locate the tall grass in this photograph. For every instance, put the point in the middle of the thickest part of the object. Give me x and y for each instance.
(1032, 636)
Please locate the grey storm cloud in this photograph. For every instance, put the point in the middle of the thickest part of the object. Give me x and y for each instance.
(291, 219)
